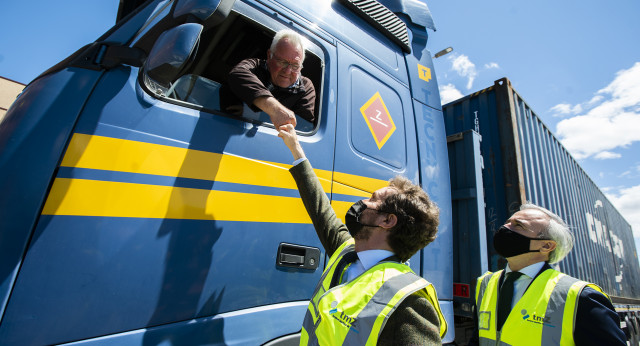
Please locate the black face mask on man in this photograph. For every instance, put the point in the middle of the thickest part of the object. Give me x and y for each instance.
(352, 220)
(509, 243)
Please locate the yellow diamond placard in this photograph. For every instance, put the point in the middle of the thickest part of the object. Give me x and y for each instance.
(378, 119)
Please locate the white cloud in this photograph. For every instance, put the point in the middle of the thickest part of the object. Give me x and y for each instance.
(624, 174)
(464, 67)
(595, 100)
(491, 65)
(632, 173)
(564, 109)
(605, 155)
(449, 93)
(627, 201)
(612, 120)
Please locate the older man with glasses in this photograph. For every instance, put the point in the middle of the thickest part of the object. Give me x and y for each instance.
(276, 85)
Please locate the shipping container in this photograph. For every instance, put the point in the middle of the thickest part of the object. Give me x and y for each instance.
(522, 161)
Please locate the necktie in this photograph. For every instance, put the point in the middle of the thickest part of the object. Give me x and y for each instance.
(505, 296)
(347, 259)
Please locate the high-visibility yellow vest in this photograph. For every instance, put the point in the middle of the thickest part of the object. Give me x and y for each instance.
(544, 315)
(354, 313)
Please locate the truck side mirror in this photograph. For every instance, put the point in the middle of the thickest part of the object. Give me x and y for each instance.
(205, 12)
(172, 52)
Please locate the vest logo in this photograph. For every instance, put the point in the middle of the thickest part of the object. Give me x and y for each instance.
(343, 318)
(536, 319)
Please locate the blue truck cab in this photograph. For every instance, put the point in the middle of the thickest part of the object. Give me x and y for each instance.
(137, 210)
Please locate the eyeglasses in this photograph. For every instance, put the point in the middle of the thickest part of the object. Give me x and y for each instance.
(284, 64)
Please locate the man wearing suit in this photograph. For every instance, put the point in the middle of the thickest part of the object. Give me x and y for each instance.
(530, 303)
(367, 295)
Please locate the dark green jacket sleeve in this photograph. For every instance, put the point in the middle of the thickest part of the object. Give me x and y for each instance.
(331, 231)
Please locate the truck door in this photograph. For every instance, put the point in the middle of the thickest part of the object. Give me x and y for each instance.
(167, 213)
(376, 139)
(375, 133)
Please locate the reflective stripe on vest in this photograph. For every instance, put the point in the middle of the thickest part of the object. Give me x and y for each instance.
(355, 313)
(543, 316)
(311, 321)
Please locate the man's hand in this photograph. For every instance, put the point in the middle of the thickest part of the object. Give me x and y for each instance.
(288, 134)
(279, 114)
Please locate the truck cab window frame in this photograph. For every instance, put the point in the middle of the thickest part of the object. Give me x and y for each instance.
(203, 83)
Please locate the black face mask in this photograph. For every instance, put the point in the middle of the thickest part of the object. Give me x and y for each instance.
(509, 243)
(352, 219)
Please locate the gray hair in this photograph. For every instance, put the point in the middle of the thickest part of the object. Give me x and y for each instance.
(292, 36)
(557, 230)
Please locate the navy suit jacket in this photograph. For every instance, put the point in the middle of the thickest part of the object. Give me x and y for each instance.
(597, 322)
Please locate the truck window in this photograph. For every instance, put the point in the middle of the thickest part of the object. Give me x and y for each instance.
(203, 85)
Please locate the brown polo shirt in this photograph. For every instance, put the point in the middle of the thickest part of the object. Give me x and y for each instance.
(250, 79)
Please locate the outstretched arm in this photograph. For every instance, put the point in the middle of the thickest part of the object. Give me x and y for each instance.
(288, 134)
(331, 231)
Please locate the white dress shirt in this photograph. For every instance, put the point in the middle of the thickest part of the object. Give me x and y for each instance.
(521, 284)
(298, 161)
(366, 260)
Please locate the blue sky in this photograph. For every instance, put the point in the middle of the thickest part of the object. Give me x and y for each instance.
(576, 63)
(36, 35)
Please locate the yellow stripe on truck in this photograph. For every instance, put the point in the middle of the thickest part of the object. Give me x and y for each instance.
(81, 197)
(113, 154)
(356, 185)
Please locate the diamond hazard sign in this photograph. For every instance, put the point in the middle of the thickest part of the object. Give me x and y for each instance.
(378, 119)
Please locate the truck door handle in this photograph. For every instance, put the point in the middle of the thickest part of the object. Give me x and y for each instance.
(291, 259)
(298, 256)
